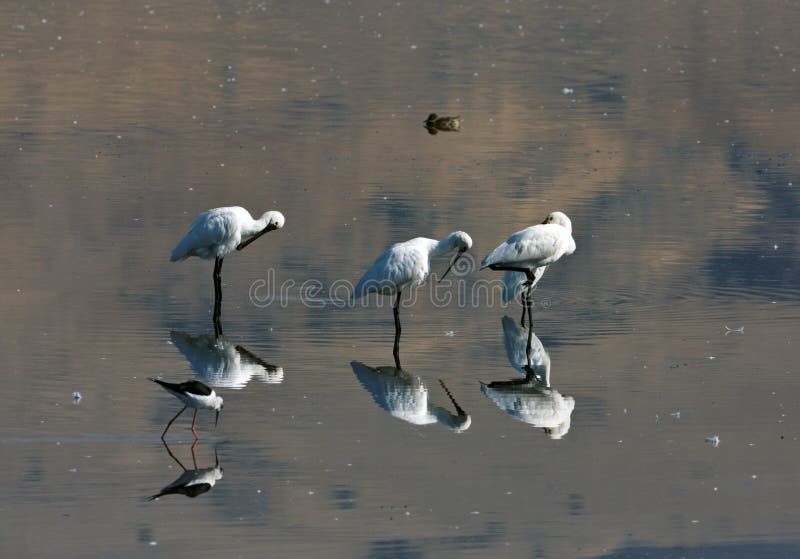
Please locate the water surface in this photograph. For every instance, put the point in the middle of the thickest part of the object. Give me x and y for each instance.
(666, 131)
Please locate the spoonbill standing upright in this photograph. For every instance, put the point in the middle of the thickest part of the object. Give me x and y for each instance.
(531, 249)
(216, 233)
(405, 265)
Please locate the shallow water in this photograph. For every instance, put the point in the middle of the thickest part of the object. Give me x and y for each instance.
(666, 131)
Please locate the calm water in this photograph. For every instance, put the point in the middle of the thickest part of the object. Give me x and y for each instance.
(667, 131)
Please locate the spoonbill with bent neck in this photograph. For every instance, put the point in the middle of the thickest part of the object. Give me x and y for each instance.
(405, 265)
(216, 233)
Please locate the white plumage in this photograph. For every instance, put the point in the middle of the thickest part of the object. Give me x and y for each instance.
(536, 246)
(524, 257)
(221, 364)
(404, 396)
(219, 231)
(408, 264)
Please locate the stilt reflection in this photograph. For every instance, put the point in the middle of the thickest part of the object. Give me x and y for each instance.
(194, 482)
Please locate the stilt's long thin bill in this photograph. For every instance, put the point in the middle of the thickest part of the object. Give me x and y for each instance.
(452, 263)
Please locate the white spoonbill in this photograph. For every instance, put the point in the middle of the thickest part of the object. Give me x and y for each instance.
(405, 265)
(216, 233)
(532, 248)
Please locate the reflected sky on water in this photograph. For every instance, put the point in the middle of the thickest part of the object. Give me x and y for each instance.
(666, 131)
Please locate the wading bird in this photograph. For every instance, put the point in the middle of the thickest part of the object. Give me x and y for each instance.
(217, 233)
(532, 248)
(193, 394)
(435, 123)
(405, 265)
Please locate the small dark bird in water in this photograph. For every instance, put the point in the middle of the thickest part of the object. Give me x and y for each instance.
(435, 123)
(193, 394)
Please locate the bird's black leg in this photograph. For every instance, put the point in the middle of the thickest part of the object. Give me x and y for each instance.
(397, 330)
(195, 418)
(217, 289)
(527, 297)
(528, 300)
(529, 305)
(524, 308)
(183, 409)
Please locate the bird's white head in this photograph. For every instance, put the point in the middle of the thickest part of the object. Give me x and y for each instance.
(458, 241)
(559, 218)
(273, 219)
(218, 404)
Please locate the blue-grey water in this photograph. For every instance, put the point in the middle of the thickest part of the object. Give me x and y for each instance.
(667, 131)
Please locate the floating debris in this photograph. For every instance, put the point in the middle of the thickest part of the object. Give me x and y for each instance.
(729, 330)
(568, 91)
(714, 440)
(77, 397)
(450, 333)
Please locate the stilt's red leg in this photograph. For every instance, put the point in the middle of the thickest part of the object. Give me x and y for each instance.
(193, 420)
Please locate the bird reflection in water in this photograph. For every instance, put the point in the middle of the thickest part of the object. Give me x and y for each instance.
(530, 399)
(222, 364)
(403, 395)
(191, 483)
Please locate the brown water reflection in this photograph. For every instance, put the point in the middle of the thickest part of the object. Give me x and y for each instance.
(666, 131)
